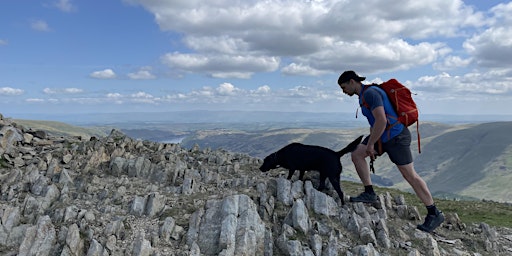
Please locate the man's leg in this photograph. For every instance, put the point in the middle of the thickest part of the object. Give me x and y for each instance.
(359, 159)
(434, 216)
(417, 183)
(363, 171)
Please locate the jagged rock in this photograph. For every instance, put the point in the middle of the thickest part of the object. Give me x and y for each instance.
(117, 166)
(315, 243)
(298, 217)
(9, 138)
(138, 206)
(67, 158)
(332, 246)
(382, 234)
(284, 188)
(368, 250)
(230, 226)
(141, 246)
(96, 249)
(453, 221)
(154, 205)
(39, 239)
(74, 244)
(320, 202)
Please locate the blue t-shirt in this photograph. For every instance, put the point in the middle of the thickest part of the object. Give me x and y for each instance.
(376, 97)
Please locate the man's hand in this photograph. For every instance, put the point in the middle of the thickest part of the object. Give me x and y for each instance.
(370, 151)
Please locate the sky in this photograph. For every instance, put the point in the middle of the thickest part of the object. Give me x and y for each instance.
(86, 56)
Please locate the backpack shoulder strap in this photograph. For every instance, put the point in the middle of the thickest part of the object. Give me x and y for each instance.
(362, 94)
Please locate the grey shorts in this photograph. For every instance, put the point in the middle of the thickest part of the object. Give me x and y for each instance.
(398, 148)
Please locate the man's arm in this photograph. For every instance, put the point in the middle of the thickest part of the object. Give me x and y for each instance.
(377, 130)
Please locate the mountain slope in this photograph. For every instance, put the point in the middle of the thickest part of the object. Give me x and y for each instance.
(455, 161)
(116, 195)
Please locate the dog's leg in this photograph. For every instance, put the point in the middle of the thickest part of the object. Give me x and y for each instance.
(322, 186)
(335, 182)
(301, 176)
(290, 173)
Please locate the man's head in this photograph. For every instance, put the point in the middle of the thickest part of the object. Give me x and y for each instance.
(347, 82)
(349, 74)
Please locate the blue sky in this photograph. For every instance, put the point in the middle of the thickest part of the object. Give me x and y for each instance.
(82, 56)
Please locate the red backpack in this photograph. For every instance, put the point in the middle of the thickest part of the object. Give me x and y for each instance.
(401, 99)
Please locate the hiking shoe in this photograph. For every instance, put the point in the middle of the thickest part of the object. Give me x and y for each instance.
(432, 222)
(364, 197)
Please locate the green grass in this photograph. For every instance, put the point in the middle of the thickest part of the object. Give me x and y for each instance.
(492, 213)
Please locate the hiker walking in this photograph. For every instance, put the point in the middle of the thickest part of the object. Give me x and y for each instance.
(395, 140)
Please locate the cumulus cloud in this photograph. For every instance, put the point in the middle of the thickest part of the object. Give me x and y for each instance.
(232, 40)
(474, 83)
(452, 62)
(301, 69)
(227, 89)
(313, 36)
(263, 89)
(103, 74)
(10, 91)
(493, 47)
(221, 66)
(143, 73)
(144, 97)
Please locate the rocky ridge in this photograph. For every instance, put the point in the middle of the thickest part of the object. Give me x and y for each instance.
(119, 196)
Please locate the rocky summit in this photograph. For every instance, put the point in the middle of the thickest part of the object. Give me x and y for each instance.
(118, 196)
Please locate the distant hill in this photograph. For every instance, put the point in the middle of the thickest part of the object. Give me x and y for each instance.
(62, 129)
(475, 161)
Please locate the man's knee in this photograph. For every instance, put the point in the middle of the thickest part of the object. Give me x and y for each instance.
(358, 154)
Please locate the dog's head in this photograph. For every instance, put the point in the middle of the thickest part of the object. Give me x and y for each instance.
(269, 163)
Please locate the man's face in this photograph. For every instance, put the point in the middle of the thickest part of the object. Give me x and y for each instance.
(348, 87)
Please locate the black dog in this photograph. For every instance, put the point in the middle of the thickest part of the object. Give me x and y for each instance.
(297, 156)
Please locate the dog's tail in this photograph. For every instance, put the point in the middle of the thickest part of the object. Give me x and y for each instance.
(350, 147)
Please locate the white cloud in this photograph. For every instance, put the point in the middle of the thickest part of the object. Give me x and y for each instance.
(10, 91)
(62, 91)
(452, 62)
(227, 89)
(492, 48)
(143, 73)
(221, 66)
(300, 69)
(263, 89)
(114, 95)
(116, 98)
(473, 83)
(103, 74)
(40, 25)
(144, 97)
(314, 35)
(3, 42)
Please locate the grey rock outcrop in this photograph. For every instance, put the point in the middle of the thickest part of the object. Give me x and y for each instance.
(119, 196)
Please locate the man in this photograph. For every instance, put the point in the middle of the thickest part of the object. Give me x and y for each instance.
(393, 138)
